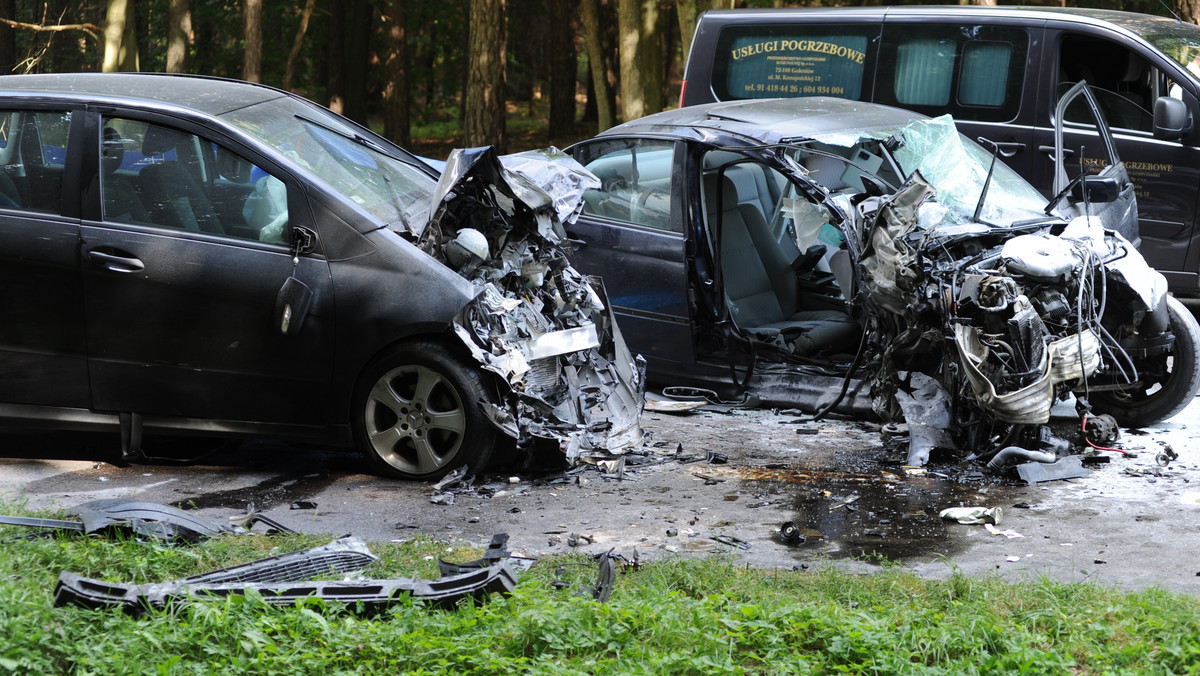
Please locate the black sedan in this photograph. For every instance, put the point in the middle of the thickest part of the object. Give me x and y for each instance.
(843, 256)
(190, 255)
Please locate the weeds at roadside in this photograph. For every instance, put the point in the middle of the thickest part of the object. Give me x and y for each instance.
(668, 616)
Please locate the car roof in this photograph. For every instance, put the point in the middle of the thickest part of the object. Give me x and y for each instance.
(207, 95)
(1129, 20)
(768, 120)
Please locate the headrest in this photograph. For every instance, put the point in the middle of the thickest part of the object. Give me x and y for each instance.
(112, 150)
(160, 139)
(729, 192)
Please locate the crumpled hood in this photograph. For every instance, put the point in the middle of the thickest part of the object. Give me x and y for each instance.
(546, 331)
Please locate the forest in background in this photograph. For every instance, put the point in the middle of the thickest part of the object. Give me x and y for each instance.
(431, 76)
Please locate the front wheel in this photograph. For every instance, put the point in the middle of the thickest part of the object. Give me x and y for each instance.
(416, 413)
(1174, 386)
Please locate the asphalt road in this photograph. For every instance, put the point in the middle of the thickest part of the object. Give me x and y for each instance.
(1130, 523)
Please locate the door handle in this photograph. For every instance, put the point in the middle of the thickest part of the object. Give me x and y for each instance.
(115, 262)
(1004, 149)
(1050, 149)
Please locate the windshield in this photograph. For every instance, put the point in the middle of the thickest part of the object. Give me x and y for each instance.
(389, 188)
(956, 167)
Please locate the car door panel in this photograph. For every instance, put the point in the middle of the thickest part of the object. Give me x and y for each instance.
(645, 278)
(42, 347)
(183, 326)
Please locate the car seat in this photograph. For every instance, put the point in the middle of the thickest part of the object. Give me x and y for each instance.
(760, 284)
(173, 196)
(121, 201)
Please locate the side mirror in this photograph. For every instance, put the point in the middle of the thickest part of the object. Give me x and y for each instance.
(291, 306)
(1099, 189)
(1171, 118)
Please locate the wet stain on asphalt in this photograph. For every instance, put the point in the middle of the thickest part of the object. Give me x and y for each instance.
(879, 515)
(269, 493)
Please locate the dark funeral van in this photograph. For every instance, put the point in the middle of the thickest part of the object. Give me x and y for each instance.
(999, 71)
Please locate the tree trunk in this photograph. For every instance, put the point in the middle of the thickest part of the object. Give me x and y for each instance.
(395, 67)
(289, 71)
(485, 104)
(358, 51)
(652, 61)
(335, 82)
(179, 35)
(605, 116)
(252, 12)
(629, 46)
(688, 12)
(120, 46)
(563, 28)
(1188, 10)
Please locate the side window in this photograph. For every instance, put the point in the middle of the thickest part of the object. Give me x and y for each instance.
(33, 153)
(971, 72)
(635, 181)
(754, 62)
(163, 177)
(924, 70)
(1122, 82)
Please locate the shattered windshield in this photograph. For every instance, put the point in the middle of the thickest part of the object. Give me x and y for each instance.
(958, 170)
(390, 189)
(956, 167)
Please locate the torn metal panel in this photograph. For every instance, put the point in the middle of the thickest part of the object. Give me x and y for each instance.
(1070, 467)
(145, 519)
(544, 329)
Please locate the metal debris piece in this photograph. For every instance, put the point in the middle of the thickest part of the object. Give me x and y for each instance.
(1166, 455)
(304, 504)
(145, 519)
(1070, 467)
(790, 533)
(732, 541)
(576, 539)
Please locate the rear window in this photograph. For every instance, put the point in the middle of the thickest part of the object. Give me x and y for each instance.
(758, 62)
(971, 72)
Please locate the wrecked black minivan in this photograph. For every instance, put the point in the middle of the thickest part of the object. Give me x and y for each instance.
(843, 256)
(999, 72)
(197, 256)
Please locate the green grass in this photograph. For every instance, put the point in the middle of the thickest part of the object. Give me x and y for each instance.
(672, 616)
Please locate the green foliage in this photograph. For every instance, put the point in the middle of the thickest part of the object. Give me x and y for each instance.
(670, 616)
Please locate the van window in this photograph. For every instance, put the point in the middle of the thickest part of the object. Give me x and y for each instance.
(984, 64)
(923, 72)
(1124, 83)
(755, 62)
(971, 72)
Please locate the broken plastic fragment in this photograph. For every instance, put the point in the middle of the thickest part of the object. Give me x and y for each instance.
(973, 516)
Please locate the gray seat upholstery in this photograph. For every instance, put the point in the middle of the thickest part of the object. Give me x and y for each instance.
(121, 201)
(760, 284)
(173, 196)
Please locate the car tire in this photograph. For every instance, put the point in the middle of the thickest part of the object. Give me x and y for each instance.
(417, 413)
(1164, 399)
